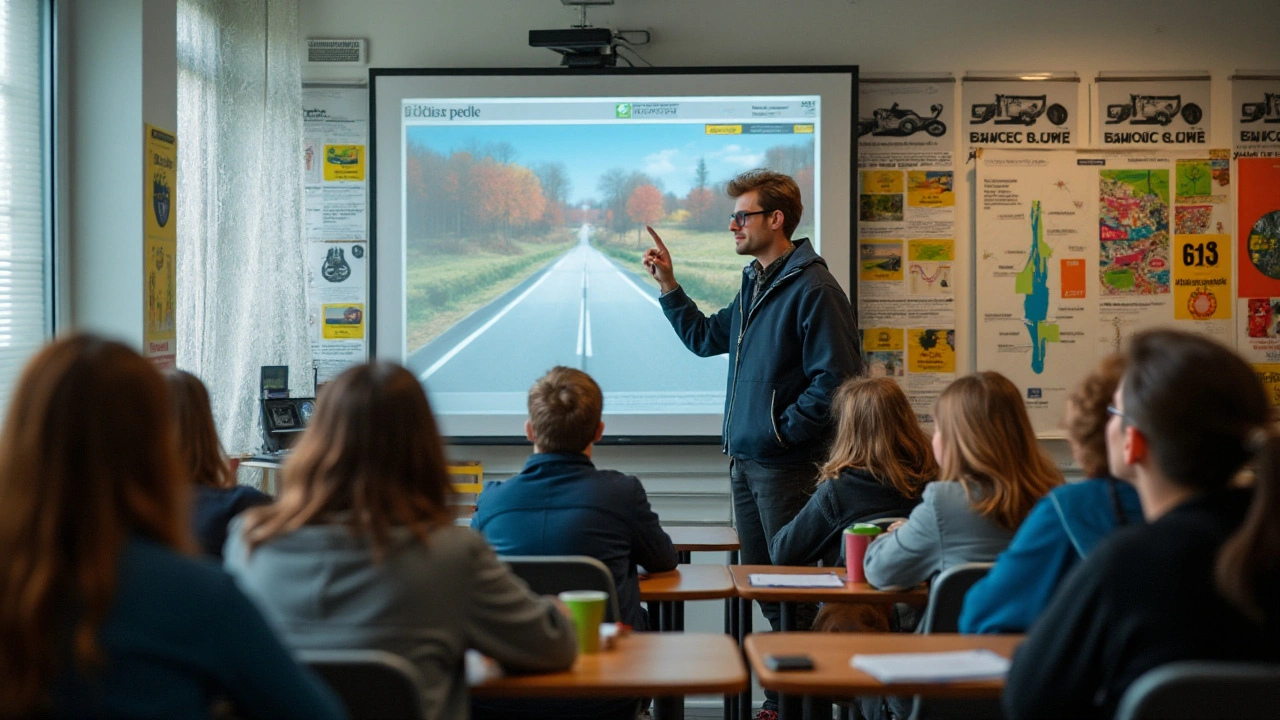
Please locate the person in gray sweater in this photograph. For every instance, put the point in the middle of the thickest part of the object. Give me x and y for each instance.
(360, 551)
(992, 472)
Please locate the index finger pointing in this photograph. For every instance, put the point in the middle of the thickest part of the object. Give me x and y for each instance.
(656, 240)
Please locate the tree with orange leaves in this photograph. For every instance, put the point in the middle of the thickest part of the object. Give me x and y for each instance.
(645, 207)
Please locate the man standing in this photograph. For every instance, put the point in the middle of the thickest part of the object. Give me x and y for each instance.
(791, 339)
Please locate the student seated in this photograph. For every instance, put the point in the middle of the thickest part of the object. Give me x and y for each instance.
(102, 612)
(560, 504)
(991, 472)
(879, 463)
(1201, 580)
(1062, 528)
(218, 498)
(360, 550)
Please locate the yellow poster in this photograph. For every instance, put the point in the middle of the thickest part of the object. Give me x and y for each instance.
(882, 181)
(882, 352)
(1202, 277)
(343, 321)
(1269, 373)
(930, 189)
(160, 246)
(880, 261)
(344, 162)
(931, 350)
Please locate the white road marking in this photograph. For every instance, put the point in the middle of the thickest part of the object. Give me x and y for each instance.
(588, 333)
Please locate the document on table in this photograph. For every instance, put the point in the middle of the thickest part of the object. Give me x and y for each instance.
(827, 580)
(932, 666)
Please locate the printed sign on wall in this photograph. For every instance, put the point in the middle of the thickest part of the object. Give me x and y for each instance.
(1009, 112)
(1255, 109)
(160, 247)
(1151, 111)
(905, 116)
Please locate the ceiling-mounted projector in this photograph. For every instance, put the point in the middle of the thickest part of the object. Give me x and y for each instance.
(580, 45)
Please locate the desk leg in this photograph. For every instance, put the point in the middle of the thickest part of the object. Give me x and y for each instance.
(677, 616)
(685, 556)
(744, 629)
(668, 708)
(788, 616)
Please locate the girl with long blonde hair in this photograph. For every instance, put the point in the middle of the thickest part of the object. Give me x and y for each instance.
(101, 612)
(991, 472)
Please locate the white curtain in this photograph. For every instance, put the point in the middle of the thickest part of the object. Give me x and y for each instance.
(241, 264)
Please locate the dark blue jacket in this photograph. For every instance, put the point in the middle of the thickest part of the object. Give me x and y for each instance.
(1062, 528)
(787, 354)
(215, 508)
(560, 504)
(817, 533)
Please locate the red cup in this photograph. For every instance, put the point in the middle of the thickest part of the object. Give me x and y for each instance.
(856, 540)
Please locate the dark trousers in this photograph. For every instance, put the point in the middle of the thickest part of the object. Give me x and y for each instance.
(766, 497)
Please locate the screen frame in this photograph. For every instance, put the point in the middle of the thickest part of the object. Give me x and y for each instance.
(371, 323)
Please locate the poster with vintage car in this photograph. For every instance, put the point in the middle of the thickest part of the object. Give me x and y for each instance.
(1255, 109)
(1151, 111)
(906, 116)
(1031, 110)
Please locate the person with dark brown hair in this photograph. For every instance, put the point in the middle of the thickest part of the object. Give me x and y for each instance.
(991, 472)
(360, 550)
(102, 614)
(1199, 580)
(218, 498)
(1063, 527)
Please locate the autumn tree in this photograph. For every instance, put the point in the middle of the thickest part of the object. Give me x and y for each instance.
(645, 207)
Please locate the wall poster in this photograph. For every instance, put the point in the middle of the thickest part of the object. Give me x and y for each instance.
(1255, 108)
(160, 247)
(1151, 111)
(1024, 110)
(1258, 228)
(907, 249)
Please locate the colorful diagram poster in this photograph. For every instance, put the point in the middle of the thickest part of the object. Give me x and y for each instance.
(1077, 250)
(907, 254)
(160, 246)
(1151, 111)
(334, 156)
(1015, 113)
(1258, 267)
(1255, 108)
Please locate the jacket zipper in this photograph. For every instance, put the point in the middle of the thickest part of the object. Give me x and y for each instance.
(773, 415)
(737, 353)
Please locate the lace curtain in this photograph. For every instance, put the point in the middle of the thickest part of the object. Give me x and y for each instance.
(241, 263)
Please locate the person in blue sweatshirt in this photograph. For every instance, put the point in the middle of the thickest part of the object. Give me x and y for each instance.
(1065, 526)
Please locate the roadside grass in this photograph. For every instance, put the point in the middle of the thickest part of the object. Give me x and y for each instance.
(443, 289)
(705, 264)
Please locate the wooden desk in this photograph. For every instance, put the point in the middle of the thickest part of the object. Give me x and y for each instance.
(703, 538)
(669, 591)
(270, 469)
(666, 666)
(851, 592)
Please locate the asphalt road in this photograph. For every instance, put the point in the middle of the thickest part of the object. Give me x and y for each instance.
(582, 311)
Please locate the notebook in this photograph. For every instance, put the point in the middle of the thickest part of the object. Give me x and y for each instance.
(932, 666)
(828, 580)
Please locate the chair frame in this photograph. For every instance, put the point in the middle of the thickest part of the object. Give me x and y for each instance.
(362, 703)
(522, 564)
(1201, 689)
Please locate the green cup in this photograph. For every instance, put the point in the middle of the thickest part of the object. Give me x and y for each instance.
(586, 607)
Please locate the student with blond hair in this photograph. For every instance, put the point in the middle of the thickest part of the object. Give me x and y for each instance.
(879, 463)
(360, 550)
(991, 472)
(103, 613)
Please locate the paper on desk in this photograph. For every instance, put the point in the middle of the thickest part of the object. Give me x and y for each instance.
(932, 666)
(828, 580)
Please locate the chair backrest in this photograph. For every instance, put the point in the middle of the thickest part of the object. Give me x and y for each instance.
(1204, 689)
(946, 597)
(554, 574)
(373, 684)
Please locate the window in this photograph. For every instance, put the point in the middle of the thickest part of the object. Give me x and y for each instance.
(24, 186)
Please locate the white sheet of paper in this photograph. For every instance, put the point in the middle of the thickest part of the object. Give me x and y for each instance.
(829, 580)
(932, 666)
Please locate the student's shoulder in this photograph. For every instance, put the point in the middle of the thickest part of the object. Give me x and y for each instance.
(944, 493)
(148, 567)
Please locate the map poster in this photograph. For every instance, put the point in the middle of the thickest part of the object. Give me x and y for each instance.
(906, 117)
(1079, 250)
(1151, 111)
(1255, 109)
(1258, 267)
(160, 247)
(1038, 112)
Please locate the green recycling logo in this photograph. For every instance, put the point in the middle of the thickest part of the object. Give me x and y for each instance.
(622, 110)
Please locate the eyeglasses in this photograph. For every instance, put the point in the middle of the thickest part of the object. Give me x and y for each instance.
(1113, 410)
(740, 217)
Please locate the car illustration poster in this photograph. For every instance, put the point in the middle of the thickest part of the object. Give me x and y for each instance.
(1077, 250)
(160, 246)
(335, 133)
(1255, 111)
(1151, 111)
(897, 116)
(1039, 112)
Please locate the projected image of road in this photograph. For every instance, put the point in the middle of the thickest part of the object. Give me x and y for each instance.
(523, 243)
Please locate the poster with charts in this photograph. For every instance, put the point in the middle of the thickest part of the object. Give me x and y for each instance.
(907, 251)
(335, 210)
(1078, 250)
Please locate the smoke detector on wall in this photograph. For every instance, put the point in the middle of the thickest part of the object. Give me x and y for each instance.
(350, 52)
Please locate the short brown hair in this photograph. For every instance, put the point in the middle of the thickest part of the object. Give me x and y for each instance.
(1086, 421)
(564, 409)
(774, 191)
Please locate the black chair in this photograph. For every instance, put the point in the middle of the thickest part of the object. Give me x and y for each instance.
(1196, 689)
(942, 615)
(373, 684)
(554, 574)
